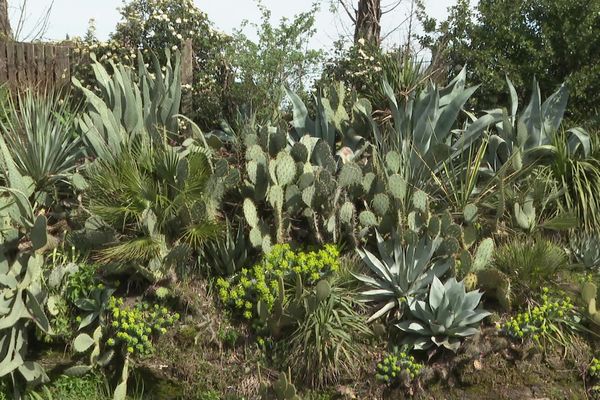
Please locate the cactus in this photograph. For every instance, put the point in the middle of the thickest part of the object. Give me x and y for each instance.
(525, 215)
(392, 162)
(589, 293)
(483, 255)
(497, 285)
(282, 389)
(397, 186)
(470, 214)
(350, 175)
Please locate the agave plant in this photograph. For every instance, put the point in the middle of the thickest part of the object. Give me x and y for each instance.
(228, 255)
(528, 137)
(406, 272)
(421, 132)
(143, 105)
(585, 248)
(449, 315)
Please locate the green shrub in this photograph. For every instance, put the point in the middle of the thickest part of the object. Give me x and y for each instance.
(260, 283)
(530, 261)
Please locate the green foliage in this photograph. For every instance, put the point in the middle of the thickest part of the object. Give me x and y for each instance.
(133, 328)
(132, 107)
(552, 321)
(279, 57)
(406, 272)
(398, 368)
(159, 201)
(529, 261)
(585, 248)
(39, 131)
(227, 255)
(548, 39)
(594, 368)
(91, 387)
(325, 345)
(449, 315)
(245, 290)
(155, 25)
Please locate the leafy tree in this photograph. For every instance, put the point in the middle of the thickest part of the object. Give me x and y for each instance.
(280, 56)
(553, 40)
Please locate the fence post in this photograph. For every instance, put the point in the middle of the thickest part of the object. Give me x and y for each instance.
(187, 77)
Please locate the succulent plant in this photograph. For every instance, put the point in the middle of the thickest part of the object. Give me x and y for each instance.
(332, 122)
(229, 254)
(449, 315)
(405, 272)
(22, 300)
(528, 137)
(282, 389)
(589, 293)
(133, 106)
(585, 248)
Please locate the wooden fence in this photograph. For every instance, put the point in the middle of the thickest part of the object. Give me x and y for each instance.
(25, 65)
(29, 65)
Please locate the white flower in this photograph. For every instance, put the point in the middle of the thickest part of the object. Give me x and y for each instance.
(179, 36)
(174, 47)
(178, 21)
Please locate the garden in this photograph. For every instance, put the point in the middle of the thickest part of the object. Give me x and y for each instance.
(295, 224)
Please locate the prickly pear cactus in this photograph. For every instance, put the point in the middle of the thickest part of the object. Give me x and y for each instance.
(589, 293)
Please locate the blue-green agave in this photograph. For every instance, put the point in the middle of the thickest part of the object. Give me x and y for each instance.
(449, 315)
(406, 272)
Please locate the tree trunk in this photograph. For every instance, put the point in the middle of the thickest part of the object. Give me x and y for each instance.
(5, 30)
(368, 22)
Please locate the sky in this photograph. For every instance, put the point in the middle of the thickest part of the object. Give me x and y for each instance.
(71, 16)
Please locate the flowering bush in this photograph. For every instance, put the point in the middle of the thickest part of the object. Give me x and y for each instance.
(133, 328)
(260, 282)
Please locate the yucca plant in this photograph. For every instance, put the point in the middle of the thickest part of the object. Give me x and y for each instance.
(449, 315)
(325, 346)
(406, 272)
(577, 177)
(39, 131)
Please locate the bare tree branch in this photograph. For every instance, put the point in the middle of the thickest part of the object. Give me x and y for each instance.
(347, 9)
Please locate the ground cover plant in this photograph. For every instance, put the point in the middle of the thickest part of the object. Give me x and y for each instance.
(374, 238)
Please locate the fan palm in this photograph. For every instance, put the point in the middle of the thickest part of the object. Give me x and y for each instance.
(156, 198)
